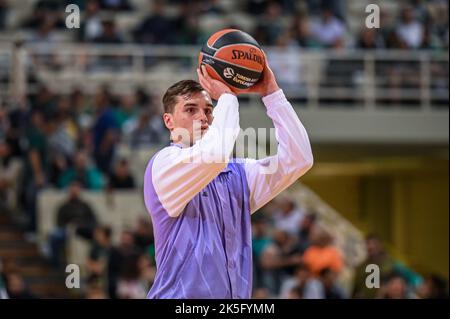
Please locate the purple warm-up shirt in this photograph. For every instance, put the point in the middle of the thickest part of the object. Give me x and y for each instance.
(201, 201)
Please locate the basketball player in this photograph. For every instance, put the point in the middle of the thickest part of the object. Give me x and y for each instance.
(200, 203)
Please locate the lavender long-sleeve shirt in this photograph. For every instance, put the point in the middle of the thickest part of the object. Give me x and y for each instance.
(200, 204)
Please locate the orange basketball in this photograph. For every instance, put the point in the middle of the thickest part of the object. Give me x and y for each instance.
(233, 57)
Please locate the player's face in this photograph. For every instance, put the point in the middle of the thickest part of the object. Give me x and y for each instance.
(191, 114)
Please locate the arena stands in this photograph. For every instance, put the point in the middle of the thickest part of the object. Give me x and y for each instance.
(80, 115)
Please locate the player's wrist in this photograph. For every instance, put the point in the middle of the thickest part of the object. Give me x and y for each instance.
(270, 89)
(228, 92)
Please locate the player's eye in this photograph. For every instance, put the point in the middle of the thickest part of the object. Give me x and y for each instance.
(190, 110)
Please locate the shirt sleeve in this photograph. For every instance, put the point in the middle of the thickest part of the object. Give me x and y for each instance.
(269, 176)
(178, 174)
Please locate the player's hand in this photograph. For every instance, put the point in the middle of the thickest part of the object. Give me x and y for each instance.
(267, 84)
(214, 87)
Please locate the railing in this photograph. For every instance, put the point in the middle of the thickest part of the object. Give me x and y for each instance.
(362, 79)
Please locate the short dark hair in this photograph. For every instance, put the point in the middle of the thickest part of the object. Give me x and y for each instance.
(106, 230)
(373, 236)
(181, 88)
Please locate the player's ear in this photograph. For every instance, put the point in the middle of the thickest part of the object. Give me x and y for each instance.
(168, 121)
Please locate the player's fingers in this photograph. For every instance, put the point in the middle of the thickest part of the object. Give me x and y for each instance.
(203, 82)
(205, 73)
(202, 79)
(199, 74)
(207, 81)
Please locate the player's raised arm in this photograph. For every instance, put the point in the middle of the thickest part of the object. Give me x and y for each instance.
(181, 171)
(269, 176)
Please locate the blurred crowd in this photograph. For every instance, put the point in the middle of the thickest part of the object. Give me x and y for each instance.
(294, 257)
(53, 140)
(122, 271)
(419, 24)
(286, 26)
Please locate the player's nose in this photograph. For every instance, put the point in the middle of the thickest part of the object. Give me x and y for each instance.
(203, 117)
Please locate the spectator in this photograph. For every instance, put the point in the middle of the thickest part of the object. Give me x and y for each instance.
(36, 167)
(62, 140)
(256, 7)
(128, 109)
(301, 31)
(307, 226)
(91, 27)
(38, 15)
(433, 287)
(99, 258)
(87, 175)
(4, 11)
(129, 285)
(82, 117)
(370, 39)
(260, 34)
(377, 255)
(16, 287)
(144, 131)
(212, 7)
(438, 20)
(279, 260)
(322, 254)
(186, 25)
(109, 34)
(73, 212)
(287, 66)
(105, 132)
(44, 101)
(295, 293)
(270, 23)
(14, 124)
(147, 271)
(121, 177)
(430, 41)
(116, 5)
(409, 31)
(120, 256)
(44, 41)
(329, 31)
(156, 28)
(142, 97)
(387, 30)
(302, 285)
(261, 293)
(80, 3)
(143, 237)
(395, 287)
(76, 212)
(331, 289)
(338, 7)
(420, 10)
(288, 217)
(95, 291)
(3, 292)
(10, 169)
(260, 241)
